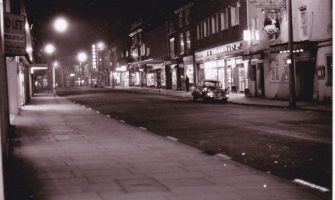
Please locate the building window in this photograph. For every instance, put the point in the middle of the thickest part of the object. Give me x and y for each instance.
(172, 48)
(303, 21)
(215, 24)
(329, 70)
(205, 28)
(171, 27)
(198, 32)
(275, 73)
(209, 26)
(187, 16)
(188, 40)
(182, 44)
(142, 50)
(224, 19)
(127, 53)
(180, 19)
(286, 74)
(235, 15)
(254, 29)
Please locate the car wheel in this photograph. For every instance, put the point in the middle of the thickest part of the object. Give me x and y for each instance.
(195, 98)
(224, 100)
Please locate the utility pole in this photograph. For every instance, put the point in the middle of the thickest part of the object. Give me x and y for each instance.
(290, 61)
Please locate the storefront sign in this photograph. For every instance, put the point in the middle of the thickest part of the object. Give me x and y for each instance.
(296, 46)
(219, 51)
(121, 68)
(15, 34)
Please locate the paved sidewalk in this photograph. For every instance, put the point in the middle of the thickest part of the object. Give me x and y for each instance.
(242, 99)
(64, 151)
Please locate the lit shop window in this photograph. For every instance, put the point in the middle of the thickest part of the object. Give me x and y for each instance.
(224, 19)
(285, 74)
(303, 21)
(182, 44)
(235, 15)
(172, 52)
(188, 40)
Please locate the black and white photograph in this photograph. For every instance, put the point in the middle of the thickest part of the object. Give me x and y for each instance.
(166, 99)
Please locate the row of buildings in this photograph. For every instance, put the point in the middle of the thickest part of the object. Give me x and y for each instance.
(242, 43)
(15, 75)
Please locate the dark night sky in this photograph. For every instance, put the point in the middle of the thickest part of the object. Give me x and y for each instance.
(89, 20)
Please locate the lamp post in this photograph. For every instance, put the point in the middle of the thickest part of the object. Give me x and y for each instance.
(50, 49)
(82, 57)
(60, 25)
(290, 61)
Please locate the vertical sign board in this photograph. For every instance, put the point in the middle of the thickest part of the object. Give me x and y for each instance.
(15, 34)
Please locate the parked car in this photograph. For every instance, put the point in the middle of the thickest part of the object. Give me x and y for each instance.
(210, 90)
(98, 85)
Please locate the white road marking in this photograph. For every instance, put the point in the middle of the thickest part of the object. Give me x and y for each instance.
(142, 128)
(311, 185)
(122, 121)
(172, 138)
(223, 156)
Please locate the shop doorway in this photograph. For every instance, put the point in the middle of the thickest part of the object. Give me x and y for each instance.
(258, 74)
(305, 80)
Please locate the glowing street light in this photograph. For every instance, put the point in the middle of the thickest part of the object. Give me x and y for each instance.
(49, 49)
(82, 57)
(60, 24)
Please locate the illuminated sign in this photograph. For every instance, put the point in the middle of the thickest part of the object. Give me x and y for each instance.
(15, 34)
(271, 23)
(220, 51)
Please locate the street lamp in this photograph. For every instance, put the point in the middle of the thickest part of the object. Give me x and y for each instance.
(82, 57)
(60, 24)
(50, 49)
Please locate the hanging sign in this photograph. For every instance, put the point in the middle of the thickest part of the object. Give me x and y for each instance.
(271, 23)
(15, 34)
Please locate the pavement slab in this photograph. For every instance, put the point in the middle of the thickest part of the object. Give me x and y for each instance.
(62, 150)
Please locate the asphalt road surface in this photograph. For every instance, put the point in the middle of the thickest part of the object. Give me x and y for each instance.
(290, 144)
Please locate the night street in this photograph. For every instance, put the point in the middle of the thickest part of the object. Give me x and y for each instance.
(291, 144)
(166, 99)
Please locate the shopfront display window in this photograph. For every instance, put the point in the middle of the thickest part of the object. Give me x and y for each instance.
(151, 80)
(174, 76)
(163, 78)
(189, 72)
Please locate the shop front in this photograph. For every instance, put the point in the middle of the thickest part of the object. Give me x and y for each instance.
(121, 76)
(277, 76)
(225, 64)
(155, 76)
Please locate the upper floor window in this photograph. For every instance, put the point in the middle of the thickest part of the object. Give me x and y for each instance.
(172, 48)
(198, 31)
(215, 24)
(235, 15)
(187, 16)
(180, 17)
(303, 21)
(142, 49)
(208, 26)
(188, 40)
(254, 29)
(205, 25)
(182, 44)
(171, 27)
(224, 19)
